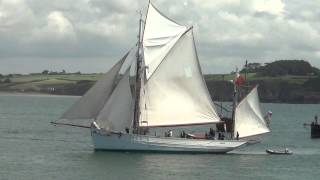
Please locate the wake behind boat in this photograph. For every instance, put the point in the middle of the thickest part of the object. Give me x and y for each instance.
(163, 87)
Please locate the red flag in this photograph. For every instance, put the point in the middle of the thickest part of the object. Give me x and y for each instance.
(239, 80)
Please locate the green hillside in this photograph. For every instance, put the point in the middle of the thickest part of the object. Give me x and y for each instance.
(283, 85)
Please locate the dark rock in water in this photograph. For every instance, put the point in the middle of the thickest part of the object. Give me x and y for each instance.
(315, 130)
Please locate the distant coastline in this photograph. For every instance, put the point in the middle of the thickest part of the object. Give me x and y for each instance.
(282, 81)
(281, 89)
(8, 93)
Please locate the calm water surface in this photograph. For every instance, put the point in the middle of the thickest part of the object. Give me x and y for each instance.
(31, 148)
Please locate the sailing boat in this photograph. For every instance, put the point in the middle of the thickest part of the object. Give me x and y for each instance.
(163, 87)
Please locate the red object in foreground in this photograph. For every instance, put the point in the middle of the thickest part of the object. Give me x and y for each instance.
(239, 80)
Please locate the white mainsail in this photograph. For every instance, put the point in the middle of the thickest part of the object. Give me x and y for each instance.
(90, 104)
(160, 35)
(175, 93)
(117, 113)
(249, 120)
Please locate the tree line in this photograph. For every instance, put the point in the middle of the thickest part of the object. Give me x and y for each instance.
(282, 68)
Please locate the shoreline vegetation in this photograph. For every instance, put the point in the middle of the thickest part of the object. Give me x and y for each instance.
(284, 81)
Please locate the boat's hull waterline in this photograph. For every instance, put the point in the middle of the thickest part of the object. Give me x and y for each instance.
(134, 142)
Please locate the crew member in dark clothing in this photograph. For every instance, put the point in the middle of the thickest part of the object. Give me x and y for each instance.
(183, 134)
(211, 133)
(221, 136)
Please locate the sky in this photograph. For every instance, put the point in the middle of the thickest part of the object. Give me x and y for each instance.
(90, 35)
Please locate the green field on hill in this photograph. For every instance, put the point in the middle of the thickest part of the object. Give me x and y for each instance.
(288, 88)
(35, 82)
(41, 83)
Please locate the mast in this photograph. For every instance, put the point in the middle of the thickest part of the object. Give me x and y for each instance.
(245, 77)
(234, 105)
(139, 77)
(221, 97)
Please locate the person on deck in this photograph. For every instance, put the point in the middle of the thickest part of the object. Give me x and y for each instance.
(211, 133)
(183, 134)
(286, 150)
(268, 118)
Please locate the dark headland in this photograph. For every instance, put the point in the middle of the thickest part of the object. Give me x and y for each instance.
(283, 81)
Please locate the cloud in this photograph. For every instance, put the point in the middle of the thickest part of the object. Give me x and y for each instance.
(58, 33)
(275, 7)
(56, 29)
(57, 21)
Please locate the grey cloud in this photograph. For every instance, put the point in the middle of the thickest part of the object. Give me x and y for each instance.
(227, 32)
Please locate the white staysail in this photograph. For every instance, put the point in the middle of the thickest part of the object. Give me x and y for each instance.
(160, 35)
(249, 120)
(117, 113)
(176, 93)
(90, 104)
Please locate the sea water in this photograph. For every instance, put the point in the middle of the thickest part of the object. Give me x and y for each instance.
(31, 148)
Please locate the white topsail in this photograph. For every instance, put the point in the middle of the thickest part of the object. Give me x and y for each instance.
(160, 35)
(90, 104)
(175, 92)
(116, 115)
(249, 120)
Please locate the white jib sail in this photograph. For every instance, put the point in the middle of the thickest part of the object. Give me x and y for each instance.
(90, 104)
(176, 93)
(249, 120)
(160, 35)
(116, 115)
